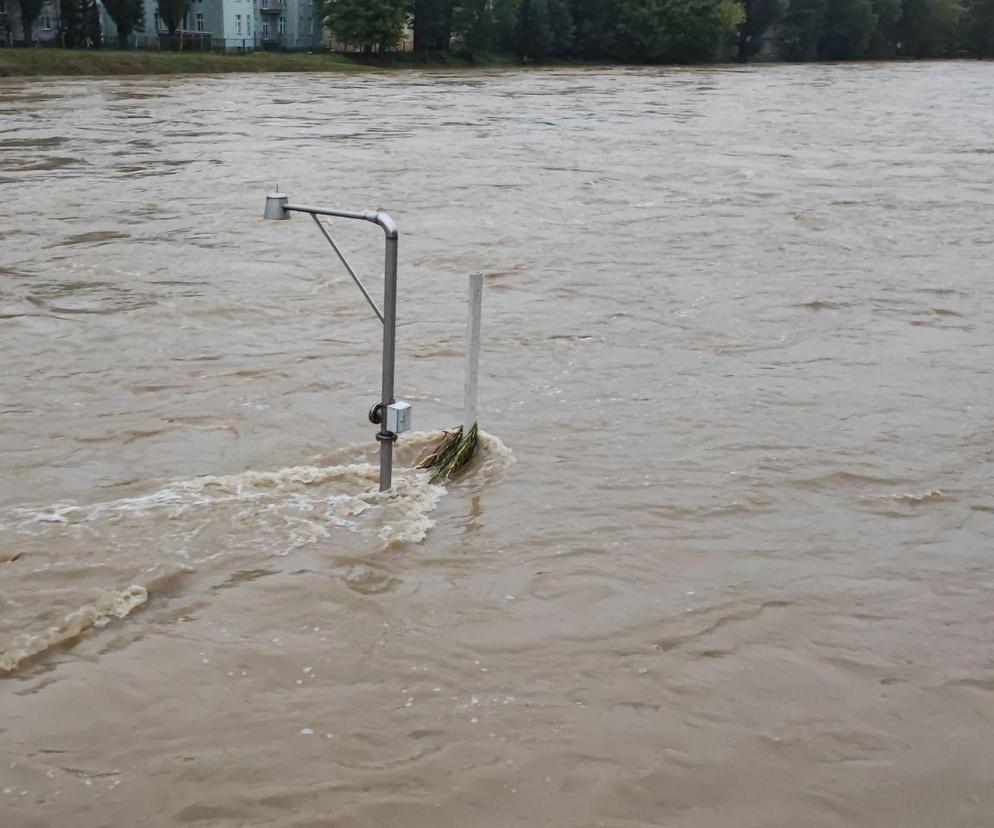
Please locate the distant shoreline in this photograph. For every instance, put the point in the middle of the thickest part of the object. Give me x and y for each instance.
(51, 62)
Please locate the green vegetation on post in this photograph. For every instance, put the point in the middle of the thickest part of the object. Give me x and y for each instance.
(451, 455)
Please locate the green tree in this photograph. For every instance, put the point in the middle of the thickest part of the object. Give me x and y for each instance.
(928, 28)
(731, 16)
(883, 41)
(946, 16)
(760, 17)
(597, 27)
(368, 24)
(980, 28)
(70, 24)
(30, 9)
(90, 14)
(803, 24)
(172, 13)
(433, 21)
(473, 22)
(127, 16)
(505, 16)
(848, 28)
(535, 37)
(561, 23)
(679, 31)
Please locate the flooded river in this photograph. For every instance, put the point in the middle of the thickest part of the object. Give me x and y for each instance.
(725, 558)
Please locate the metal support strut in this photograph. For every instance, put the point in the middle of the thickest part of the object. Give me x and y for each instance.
(278, 208)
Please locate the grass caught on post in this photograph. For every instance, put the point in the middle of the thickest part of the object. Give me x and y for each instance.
(450, 455)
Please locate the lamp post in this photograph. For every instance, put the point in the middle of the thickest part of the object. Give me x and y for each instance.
(392, 416)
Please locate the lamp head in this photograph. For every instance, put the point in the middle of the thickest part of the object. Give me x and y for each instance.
(276, 207)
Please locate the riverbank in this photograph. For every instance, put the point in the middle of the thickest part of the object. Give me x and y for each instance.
(98, 63)
(79, 62)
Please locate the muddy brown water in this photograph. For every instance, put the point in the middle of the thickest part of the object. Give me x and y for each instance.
(726, 559)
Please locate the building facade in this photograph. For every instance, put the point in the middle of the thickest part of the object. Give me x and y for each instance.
(223, 25)
(234, 25)
(44, 30)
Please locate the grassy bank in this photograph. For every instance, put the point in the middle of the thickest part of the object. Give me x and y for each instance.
(78, 62)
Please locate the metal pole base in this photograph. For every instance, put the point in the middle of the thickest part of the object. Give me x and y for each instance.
(386, 439)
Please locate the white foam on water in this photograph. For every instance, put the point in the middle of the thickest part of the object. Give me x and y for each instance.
(298, 487)
(181, 496)
(106, 607)
(412, 502)
(291, 507)
(496, 454)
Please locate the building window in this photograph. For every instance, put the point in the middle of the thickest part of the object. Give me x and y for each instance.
(282, 25)
(158, 23)
(46, 23)
(238, 24)
(248, 25)
(200, 21)
(265, 30)
(312, 25)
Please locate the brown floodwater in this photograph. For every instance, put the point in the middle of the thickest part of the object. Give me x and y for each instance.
(724, 559)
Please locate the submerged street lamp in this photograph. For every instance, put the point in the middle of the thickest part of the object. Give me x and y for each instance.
(391, 416)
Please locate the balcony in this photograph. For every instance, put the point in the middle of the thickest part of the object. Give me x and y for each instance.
(272, 7)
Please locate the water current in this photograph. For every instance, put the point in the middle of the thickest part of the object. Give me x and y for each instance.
(723, 559)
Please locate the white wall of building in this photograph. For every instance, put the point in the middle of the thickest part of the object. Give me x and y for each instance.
(288, 24)
(45, 28)
(233, 25)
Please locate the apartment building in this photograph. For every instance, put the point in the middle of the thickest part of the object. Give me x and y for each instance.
(238, 25)
(228, 25)
(45, 28)
(287, 24)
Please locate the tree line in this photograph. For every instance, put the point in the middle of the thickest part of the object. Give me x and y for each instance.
(670, 31)
(628, 31)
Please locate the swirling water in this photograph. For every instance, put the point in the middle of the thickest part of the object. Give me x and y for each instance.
(734, 567)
